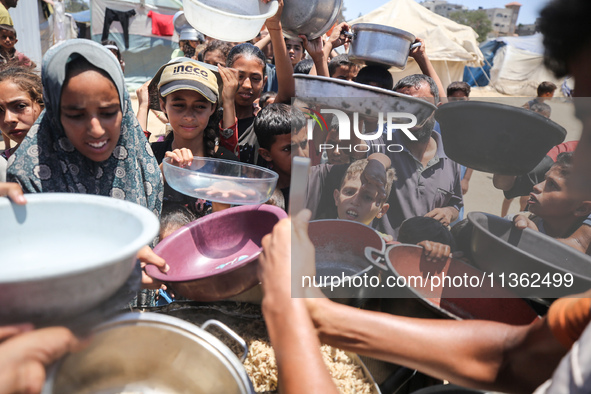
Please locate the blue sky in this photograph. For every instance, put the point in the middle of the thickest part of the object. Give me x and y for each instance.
(527, 14)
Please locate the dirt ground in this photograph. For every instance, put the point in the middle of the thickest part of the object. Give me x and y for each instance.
(481, 196)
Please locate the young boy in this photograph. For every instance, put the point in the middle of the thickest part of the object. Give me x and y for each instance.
(553, 210)
(356, 200)
(281, 132)
(458, 90)
(342, 68)
(545, 92)
(7, 51)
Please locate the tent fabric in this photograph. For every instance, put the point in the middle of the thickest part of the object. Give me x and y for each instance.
(450, 45)
(26, 17)
(147, 51)
(514, 66)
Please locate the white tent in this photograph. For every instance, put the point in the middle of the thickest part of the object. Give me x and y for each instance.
(450, 45)
(146, 52)
(518, 66)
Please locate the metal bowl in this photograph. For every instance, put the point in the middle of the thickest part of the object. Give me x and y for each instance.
(499, 247)
(66, 253)
(215, 257)
(380, 44)
(340, 246)
(484, 302)
(223, 181)
(151, 353)
(496, 138)
(367, 101)
(312, 18)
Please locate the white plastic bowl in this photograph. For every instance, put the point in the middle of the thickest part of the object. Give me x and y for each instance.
(229, 20)
(65, 253)
(224, 181)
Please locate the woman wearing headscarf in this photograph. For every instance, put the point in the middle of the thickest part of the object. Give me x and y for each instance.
(88, 139)
(63, 153)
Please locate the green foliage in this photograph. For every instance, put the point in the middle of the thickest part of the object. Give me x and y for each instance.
(73, 6)
(476, 19)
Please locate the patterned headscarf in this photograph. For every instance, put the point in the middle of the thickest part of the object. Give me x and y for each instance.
(46, 160)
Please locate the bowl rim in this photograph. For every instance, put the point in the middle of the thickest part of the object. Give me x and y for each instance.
(273, 7)
(473, 104)
(150, 226)
(472, 218)
(361, 86)
(173, 325)
(384, 29)
(273, 175)
(204, 221)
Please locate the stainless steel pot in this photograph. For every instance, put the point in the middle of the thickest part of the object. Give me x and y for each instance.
(379, 44)
(152, 353)
(312, 18)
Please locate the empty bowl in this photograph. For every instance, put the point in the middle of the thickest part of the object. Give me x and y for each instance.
(224, 181)
(483, 300)
(229, 20)
(215, 257)
(65, 253)
(539, 263)
(496, 138)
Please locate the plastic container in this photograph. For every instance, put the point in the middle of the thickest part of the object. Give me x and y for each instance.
(224, 181)
(65, 253)
(229, 20)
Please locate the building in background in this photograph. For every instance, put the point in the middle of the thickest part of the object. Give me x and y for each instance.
(442, 7)
(504, 20)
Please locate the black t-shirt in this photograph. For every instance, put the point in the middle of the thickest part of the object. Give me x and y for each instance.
(198, 206)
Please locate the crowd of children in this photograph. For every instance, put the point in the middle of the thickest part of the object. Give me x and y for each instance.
(81, 136)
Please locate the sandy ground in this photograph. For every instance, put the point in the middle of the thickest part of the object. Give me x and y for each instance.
(481, 196)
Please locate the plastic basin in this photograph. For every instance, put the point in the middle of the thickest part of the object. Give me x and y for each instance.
(224, 181)
(229, 20)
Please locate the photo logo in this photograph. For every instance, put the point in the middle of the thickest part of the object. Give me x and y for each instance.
(316, 116)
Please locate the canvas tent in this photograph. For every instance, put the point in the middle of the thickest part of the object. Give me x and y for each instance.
(450, 45)
(515, 66)
(146, 52)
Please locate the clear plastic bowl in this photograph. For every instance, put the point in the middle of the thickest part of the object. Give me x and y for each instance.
(223, 181)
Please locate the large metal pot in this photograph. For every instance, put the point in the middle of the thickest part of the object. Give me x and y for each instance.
(379, 44)
(152, 353)
(340, 246)
(312, 18)
(215, 257)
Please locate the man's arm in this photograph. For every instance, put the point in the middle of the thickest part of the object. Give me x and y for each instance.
(479, 354)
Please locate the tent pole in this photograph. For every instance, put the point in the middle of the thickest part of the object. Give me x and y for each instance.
(448, 74)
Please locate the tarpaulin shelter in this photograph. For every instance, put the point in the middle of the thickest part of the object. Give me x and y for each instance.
(450, 45)
(513, 66)
(146, 51)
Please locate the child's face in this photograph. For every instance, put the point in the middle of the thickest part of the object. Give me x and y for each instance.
(295, 51)
(458, 95)
(18, 112)
(188, 113)
(285, 146)
(250, 80)
(215, 57)
(356, 203)
(7, 39)
(336, 155)
(90, 113)
(348, 73)
(550, 198)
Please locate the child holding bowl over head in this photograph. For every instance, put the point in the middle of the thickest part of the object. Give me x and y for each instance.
(88, 140)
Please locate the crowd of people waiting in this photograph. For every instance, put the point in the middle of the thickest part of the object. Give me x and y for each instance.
(74, 131)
